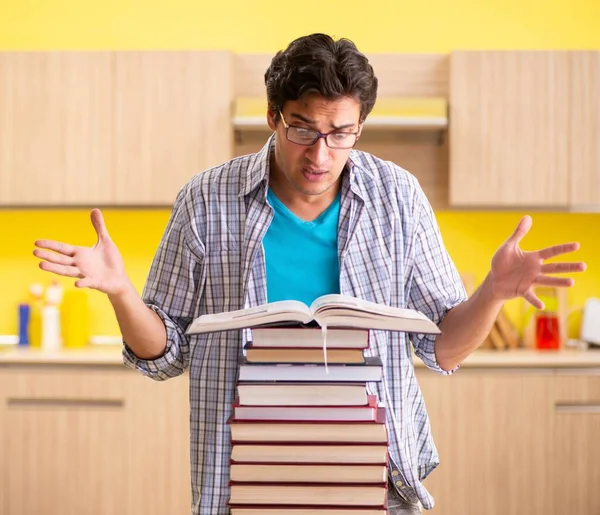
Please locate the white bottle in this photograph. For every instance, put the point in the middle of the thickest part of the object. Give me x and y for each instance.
(51, 330)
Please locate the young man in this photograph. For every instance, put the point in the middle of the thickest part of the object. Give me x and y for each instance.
(305, 216)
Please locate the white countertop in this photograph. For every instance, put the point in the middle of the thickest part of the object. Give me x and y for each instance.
(111, 355)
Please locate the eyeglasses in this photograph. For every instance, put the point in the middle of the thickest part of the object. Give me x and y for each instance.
(307, 137)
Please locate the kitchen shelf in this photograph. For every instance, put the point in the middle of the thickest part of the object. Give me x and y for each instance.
(389, 113)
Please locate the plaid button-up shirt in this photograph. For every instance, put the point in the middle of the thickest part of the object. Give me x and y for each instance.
(211, 260)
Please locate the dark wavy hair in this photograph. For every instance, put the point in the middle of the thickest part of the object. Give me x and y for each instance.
(317, 64)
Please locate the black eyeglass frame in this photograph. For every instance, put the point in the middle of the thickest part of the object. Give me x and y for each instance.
(318, 135)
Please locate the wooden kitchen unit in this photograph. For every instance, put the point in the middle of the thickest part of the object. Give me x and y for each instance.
(517, 433)
(479, 129)
(88, 436)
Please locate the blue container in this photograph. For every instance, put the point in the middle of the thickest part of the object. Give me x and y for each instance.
(24, 316)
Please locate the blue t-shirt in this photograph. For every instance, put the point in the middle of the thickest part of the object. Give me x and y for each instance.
(301, 257)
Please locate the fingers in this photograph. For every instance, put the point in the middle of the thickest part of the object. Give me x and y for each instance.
(556, 250)
(560, 282)
(533, 299)
(85, 282)
(56, 246)
(98, 223)
(563, 268)
(521, 230)
(65, 271)
(53, 257)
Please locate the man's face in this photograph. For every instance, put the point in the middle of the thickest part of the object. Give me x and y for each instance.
(313, 170)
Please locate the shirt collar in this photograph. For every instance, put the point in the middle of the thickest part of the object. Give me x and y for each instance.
(258, 170)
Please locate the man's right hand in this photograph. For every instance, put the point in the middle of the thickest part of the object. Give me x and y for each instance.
(99, 267)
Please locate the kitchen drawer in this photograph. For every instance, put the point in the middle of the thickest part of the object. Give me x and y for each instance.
(37, 386)
(577, 390)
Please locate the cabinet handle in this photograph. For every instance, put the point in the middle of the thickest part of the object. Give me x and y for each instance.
(34, 402)
(583, 407)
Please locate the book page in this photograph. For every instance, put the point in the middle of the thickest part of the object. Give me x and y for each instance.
(275, 312)
(349, 304)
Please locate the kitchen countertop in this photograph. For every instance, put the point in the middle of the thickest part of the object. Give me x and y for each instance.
(111, 355)
(91, 355)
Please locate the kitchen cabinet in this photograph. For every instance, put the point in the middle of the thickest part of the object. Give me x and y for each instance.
(576, 449)
(493, 430)
(158, 446)
(55, 127)
(86, 439)
(524, 129)
(110, 128)
(516, 433)
(172, 113)
(585, 130)
(510, 137)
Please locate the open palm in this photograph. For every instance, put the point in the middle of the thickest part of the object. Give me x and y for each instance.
(515, 272)
(99, 267)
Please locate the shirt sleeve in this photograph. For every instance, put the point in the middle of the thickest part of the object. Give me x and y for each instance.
(436, 286)
(172, 291)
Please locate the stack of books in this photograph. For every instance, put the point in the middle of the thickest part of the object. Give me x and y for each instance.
(307, 438)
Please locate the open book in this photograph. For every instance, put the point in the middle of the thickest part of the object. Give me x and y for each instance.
(326, 311)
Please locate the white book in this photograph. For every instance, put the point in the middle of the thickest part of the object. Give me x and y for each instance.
(302, 394)
(370, 370)
(327, 311)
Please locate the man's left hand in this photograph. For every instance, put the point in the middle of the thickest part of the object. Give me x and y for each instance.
(515, 272)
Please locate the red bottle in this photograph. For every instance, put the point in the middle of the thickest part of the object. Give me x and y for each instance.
(547, 333)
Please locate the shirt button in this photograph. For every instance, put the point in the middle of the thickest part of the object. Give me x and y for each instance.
(395, 473)
(399, 484)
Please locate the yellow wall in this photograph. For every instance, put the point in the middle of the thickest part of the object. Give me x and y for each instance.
(470, 237)
(265, 26)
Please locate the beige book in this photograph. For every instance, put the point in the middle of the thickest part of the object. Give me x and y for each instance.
(309, 495)
(307, 473)
(375, 454)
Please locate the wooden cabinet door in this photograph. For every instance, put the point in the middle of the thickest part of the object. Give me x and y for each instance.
(493, 431)
(509, 128)
(64, 450)
(576, 446)
(158, 446)
(172, 119)
(585, 129)
(55, 113)
(5, 469)
(102, 440)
